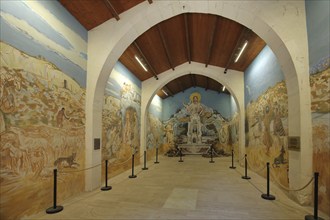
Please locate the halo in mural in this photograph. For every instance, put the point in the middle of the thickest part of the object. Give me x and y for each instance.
(195, 94)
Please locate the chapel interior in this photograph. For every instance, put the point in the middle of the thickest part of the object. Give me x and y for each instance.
(165, 109)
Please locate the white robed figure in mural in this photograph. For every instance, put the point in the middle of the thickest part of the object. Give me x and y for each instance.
(195, 110)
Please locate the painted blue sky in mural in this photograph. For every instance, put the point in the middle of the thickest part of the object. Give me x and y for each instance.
(45, 29)
(120, 75)
(263, 72)
(220, 102)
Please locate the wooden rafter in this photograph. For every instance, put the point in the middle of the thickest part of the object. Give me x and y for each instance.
(244, 32)
(193, 80)
(209, 51)
(169, 91)
(112, 9)
(145, 59)
(187, 37)
(207, 83)
(165, 46)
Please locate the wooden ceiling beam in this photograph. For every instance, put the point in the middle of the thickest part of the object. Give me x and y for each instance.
(193, 80)
(244, 32)
(209, 51)
(187, 37)
(169, 91)
(207, 83)
(145, 59)
(150, 1)
(112, 9)
(165, 46)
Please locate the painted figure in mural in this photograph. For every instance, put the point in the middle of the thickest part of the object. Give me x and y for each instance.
(195, 110)
(278, 128)
(267, 139)
(169, 133)
(60, 116)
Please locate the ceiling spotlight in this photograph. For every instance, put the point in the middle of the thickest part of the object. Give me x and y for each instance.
(240, 53)
(223, 88)
(225, 71)
(143, 66)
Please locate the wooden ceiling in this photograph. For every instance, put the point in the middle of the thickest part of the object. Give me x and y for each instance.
(203, 38)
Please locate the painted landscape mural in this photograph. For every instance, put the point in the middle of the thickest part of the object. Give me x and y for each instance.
(121, 120)
(42, 105)
(266, 133)
(42, 127)
(266, 117)
(320, 95)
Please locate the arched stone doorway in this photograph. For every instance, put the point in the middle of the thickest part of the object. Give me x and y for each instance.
(281, 25)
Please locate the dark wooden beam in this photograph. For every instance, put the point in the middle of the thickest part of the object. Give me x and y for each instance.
(150, 1)
(112, 9)
(145, 59)
(207, 83)
(165, 46)
(244, 32)
(187, 37)
(169, 91)
(209, 51)
(193, 80)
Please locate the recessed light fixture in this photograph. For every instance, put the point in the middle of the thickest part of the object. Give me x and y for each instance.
(145, 68)
(223, 88)
(240, 53)
(164, 92)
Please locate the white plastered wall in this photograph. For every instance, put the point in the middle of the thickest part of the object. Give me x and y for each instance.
(282, 24)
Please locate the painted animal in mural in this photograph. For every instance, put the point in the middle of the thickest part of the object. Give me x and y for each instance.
(66, 161)
(280, 159)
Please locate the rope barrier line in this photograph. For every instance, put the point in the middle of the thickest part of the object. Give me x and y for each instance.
(74, 171)
(114, 164)
(239, 160)
(256, 171)
(288, 189)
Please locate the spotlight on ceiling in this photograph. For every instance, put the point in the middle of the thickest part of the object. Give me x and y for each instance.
(225, 71)
(223, 88)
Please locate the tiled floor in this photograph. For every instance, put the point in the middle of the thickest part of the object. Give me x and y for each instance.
(194, 189)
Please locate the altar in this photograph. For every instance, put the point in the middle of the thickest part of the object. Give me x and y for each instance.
(194, 148)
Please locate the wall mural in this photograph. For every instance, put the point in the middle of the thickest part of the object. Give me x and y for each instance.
(266, 132)
(198, 125)
(41, 127)
(121, 124)
(320, 97)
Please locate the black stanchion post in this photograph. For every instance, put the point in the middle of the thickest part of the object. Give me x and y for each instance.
(316, 199)
(156, 155)
(268, 196)
(246, 177)
(232, 160)
(106, 187)
(180, 155)
(145, 161)
(211, 161)
(54, 208)
(132, 176)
